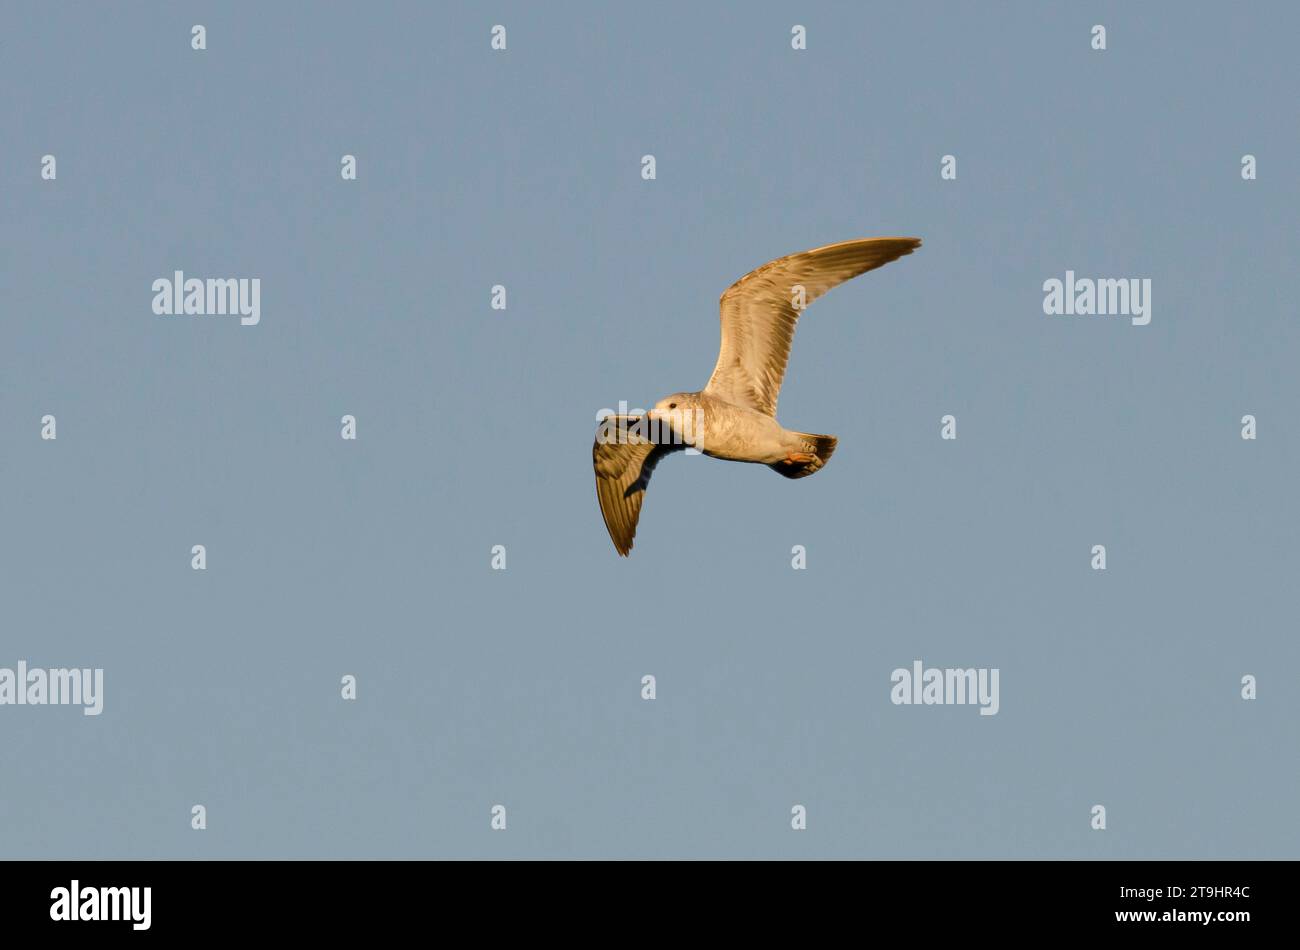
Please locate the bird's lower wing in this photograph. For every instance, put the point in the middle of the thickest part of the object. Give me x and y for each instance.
(624, 460)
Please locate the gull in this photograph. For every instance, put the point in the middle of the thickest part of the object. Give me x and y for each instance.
(734, 416)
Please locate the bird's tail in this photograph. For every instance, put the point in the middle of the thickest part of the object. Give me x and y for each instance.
(820, 447)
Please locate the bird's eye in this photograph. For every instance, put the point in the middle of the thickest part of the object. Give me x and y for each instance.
(672, 405)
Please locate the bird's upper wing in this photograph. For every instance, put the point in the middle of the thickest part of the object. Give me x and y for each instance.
(759, 312)
(624, 459)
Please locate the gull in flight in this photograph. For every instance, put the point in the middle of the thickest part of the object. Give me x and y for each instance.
(734, 416)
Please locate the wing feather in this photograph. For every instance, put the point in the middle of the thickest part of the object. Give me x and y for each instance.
(759, 314)
(624, 459)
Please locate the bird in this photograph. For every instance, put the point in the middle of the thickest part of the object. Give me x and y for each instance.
(734, 416)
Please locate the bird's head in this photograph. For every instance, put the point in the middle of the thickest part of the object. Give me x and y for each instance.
(677, 418)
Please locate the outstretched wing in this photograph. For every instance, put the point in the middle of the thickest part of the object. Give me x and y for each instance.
(624, 459)
(760, 310)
